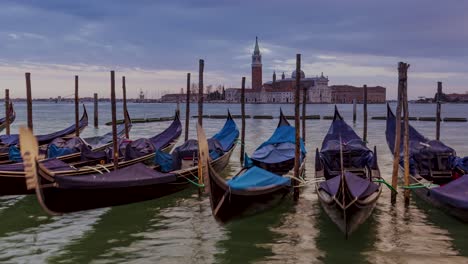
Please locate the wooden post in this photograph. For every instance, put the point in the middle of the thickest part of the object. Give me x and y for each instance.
(297, 156)
(201, 66)
(242, 150)
(364, 136)
(7, 111)
(29, 100)
(354, 110)
(200, 92)
(96, 117)
(304, 102)
(397, 145)
(77, 109)
(438, 101)
(125, 109)
(403, 72)
(114, 122)
(187, 108)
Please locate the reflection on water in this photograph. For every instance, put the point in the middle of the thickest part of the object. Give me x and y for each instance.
(180, 229)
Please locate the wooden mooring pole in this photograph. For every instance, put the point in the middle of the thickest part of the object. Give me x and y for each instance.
(96, 111)
(242, 148)
(438, 101)
(396, 147)
(125, 109)
(304, 103)
(201, 66)
(7, 111)
(364, 136)
(114, 122)
(297, 154)
(77, 108)
(187, 108)
(354, 110)
(403, 72)
(29, 100)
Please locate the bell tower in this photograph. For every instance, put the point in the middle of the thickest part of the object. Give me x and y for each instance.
(256, 67)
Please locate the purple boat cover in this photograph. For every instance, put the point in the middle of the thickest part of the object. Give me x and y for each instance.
(51, 164)
(45, 139)
(98, 141)
(454, 193)
(358, 187)
(131, 176)
(166, 137)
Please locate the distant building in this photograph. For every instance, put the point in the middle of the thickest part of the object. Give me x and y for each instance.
(344, 94)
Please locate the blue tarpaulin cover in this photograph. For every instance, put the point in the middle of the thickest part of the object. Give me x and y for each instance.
(279, 147)
(454, 193)
(53, 151)
(257, 177)
(227, 135)
(164, 160)
(14, 154)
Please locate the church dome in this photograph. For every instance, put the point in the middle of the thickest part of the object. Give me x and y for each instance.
(293, 75)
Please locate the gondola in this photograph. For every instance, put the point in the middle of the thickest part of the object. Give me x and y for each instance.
(437, 175)
(86, 161)
(12, 115)
(277, 154)
(7, 142)
(251, 190)
(345, 171)
(58, 193)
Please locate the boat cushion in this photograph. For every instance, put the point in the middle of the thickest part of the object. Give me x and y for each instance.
(256, 177)
(454, 193)
(131, 176)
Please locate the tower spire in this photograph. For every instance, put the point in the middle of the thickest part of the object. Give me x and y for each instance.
(256, 49)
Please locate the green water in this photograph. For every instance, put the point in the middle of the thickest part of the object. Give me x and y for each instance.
(180, 228)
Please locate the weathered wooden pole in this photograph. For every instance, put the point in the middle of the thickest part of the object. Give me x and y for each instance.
(114, 122)
(364, 136)
(201, 66)
(187, 108)
(403, 68)
(7, 111)
(397, 145)
(96, 111)
(242, 150)
(125, 109)
(304, 103)
(297, 156)
(77, 108)
(29, 100)
(354, 110)
(438, 101)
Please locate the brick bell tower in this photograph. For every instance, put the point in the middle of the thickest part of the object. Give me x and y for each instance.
(256, 67)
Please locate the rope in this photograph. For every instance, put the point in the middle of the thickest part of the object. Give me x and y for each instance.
(194, 183)
(93, 168)
(419, 185)
(386, 184)
(103, 167)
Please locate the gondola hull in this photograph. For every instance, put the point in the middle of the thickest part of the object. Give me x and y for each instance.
(350, 218)
(14, 183)
(58, 200)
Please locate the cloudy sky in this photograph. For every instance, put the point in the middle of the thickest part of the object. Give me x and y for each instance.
(155, 43)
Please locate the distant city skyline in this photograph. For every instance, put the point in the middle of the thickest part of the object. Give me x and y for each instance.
(154, 44)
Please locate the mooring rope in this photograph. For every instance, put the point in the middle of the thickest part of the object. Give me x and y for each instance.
(93, 168)
(419, 185)
(389, 186)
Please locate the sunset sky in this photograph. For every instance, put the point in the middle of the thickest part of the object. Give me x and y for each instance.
(155, 43)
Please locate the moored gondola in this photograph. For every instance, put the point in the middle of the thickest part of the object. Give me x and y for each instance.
(437, 175)
(277, 153)
(12, 115)
(9, 143)
(58, 193)
(251, 190)
(86, 161)
(345, 172)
